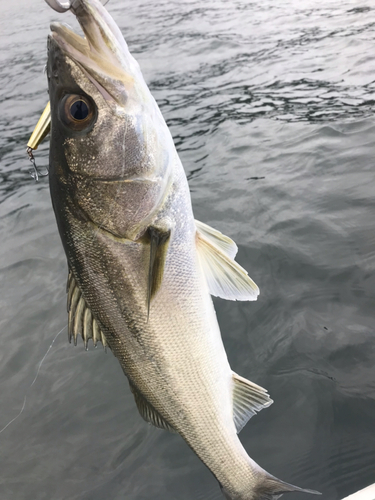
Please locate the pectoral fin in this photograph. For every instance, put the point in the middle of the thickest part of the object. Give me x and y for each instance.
(148, 412)
(248, 399)
(81, 321)
(219, 239)
(159, 240)
(225, 277)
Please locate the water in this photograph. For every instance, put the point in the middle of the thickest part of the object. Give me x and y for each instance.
(271, 107)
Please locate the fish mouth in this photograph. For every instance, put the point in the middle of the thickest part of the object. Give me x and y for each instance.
(102, 53)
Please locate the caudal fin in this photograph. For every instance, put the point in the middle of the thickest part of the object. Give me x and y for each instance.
(267, 487)
(273, 488)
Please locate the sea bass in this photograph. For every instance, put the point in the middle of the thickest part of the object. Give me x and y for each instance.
(141, 269)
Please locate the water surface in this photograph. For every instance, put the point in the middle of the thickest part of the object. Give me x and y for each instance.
(271, 107)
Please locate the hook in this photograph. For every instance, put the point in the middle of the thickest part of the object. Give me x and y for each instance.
(35, 173)
(59, 6)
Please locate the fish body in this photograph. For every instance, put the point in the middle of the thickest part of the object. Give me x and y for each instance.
(142, 270)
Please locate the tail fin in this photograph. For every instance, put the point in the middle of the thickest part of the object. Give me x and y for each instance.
(268, 488)
(272, 488)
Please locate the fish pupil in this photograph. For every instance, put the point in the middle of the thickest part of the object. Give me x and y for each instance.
(79, 110)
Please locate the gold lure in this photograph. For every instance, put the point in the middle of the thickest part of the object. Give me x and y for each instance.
(40, 131)
(42, 128)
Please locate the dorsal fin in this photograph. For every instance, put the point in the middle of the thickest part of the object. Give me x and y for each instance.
(225, 278)
(219, 239)
(148, 412)
(158, 250)
(81, 320)
(248, 399)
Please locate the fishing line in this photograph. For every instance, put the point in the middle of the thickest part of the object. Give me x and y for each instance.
(46, 354)
(33, 382)
(36, 174)
(15, 418)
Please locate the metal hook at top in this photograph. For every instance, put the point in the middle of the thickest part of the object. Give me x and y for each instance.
(59, 6)
(64, 6)
(35, 173)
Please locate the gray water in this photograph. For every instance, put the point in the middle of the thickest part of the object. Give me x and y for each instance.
(271, 107)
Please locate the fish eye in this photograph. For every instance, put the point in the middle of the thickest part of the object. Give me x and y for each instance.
(77, 111)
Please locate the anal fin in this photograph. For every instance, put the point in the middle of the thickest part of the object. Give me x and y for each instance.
(248, 400)
(148, 412)
(81, 320)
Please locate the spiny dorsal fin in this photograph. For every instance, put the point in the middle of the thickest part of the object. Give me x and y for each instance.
(225, 278)
(148, 412)
(81, 321)
(158, 250)
(219, 239)
(248, 399)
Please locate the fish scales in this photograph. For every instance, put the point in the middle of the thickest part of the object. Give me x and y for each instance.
(142, 270)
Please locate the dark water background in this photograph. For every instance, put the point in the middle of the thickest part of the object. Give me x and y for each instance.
(271, 106)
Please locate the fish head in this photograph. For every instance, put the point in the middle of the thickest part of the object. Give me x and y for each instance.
(109, 142)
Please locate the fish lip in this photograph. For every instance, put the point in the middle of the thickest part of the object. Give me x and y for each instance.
(79, 52)
(58, 27)
(100, 30)
(100, 66)
(102, 40)
(68, 40)
(101, 53)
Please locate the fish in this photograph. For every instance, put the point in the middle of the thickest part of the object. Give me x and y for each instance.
(142, 270)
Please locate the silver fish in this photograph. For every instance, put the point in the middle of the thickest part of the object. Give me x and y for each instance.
(142, 270)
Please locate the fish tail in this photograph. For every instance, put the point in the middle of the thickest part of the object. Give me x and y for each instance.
(266, 487)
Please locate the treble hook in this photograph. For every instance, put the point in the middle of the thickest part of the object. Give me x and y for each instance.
(35, 173)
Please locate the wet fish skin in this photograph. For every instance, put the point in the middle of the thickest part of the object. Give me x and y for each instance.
(122, 201)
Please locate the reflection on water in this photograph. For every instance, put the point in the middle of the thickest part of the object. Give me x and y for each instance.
(270, 105)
